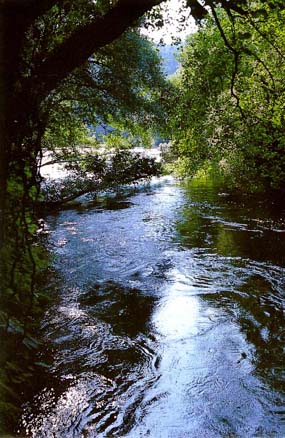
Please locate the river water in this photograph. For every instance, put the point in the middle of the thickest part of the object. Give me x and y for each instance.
(168, 320)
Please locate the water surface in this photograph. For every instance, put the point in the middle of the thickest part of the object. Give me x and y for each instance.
(169, 320)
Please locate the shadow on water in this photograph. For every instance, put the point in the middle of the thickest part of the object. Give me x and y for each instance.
(126, 309)
(109, 200)
(101, 204)
(103, 360)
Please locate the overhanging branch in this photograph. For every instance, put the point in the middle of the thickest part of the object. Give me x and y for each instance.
(236, 55)
(74, 51)
(30, 10)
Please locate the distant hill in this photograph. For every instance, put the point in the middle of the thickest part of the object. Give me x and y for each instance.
(170, 63)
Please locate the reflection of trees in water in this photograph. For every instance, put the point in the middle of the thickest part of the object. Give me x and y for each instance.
(127, 354)
(241, 230)
(246, 229)
(262, 320)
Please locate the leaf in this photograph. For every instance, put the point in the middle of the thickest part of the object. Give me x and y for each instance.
(31, 343)
(42, 365)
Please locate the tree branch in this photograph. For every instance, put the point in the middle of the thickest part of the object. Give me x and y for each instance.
(31, 8)
(231, 5)
(236, 60)
(60, 202)
(74, 51)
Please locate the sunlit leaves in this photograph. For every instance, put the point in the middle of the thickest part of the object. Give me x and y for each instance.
(93, 173)
(119, 87)
(234, 111)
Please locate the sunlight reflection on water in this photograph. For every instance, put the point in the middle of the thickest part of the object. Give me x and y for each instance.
(169, 321)
(177, 316)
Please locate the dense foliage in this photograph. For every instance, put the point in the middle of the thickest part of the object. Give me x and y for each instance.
(98, 172)
(230, 98)
(117, 90)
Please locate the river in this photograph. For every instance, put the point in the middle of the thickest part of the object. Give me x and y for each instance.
(168, 319)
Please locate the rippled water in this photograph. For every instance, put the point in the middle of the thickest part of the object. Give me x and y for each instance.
(169, 321)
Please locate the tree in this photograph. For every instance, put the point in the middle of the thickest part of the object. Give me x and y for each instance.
(231, 98)
(99, 172)
(35, 61)
(119, 88)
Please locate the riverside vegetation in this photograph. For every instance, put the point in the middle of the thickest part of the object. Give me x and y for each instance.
(69, 66)
(229, 99)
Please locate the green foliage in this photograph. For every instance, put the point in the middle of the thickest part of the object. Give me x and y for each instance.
(230, 99)
(22, 301)
(115, 140)
(119, 138)
(65, 129)
(97, 172)
(119, 87)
